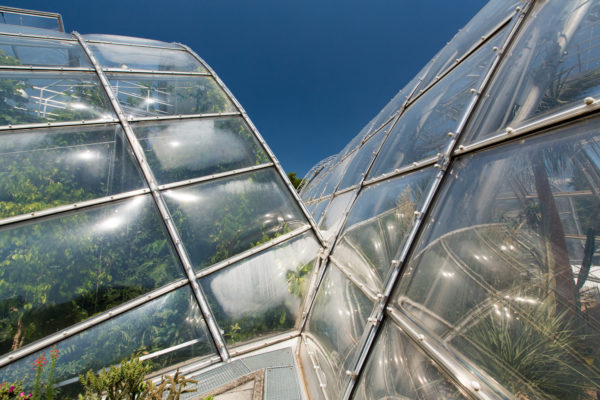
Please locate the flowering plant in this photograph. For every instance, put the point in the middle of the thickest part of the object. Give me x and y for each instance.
(13, 391)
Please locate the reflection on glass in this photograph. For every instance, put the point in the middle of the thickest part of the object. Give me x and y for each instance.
(132, 57)
(50, 96)
(58, 271)
(357, 169)
(221, 218)
(156, 95)
(331, 181)
(45, 168)
(180, 150)
(335, 213)
(319, 209)
(378, 225)
(130, 40)
(36, 21)
(39, 52)
(553, 65)
(336, 325)
(262, 295)
(423, 129)
(167, 321)
(481, 25)
(397, 369)
(509, 273)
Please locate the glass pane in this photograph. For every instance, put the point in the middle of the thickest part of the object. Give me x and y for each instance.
(224, 217)
(334, 214)
(331, 181)
(36, 21)
(337, 323)
(397, 369)
(482, 24)
(57, 271)
(167, 321)
(49, 167)
(132, 57)
(262, 295)
(180, 150)
(39, 52)
(319, 209)
(50, 96)
(357, 169)
(506, 275)
(152, 95)
(553, 65)
(16, 29)
(130, 40)
(422, 131)
(379, 224)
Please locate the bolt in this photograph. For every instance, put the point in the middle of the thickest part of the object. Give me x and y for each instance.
(588, 101)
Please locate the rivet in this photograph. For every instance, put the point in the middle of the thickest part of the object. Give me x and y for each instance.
(10, 357)
(476, 386)
(420, 337)
(509, 130)
(472, 90)
(483, 37)
(518, 9)
(417, 213)
(588, 101)
(495, 48)
(451, 134)
(415, 164)
(437, 166)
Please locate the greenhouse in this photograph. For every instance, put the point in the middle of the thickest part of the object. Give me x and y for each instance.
(448, 251)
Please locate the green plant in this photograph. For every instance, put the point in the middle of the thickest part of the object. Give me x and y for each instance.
(171, 387)
(12, 390)
(123, 382)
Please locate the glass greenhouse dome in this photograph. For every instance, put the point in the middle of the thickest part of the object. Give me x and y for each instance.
(450, 250)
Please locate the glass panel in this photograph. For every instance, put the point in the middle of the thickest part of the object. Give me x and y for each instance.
(180, 150)
(334, 214)
(336, 325)
(553, 65)
(397, 369)
(132, 57)
(422, 131)
(152, 95)
(6, 28)
(39, 52)
(36, 21)
(49, 167)
(506, 276)
(357, 169)
(332, 180)
(319, 209)
(224, 217)
(482, 24)
(49, 96)
(262, 295)
(379, 224)
(58, 271)
(167, 321)
(130, 40)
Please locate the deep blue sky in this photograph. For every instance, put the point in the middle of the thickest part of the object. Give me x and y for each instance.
(310, 73)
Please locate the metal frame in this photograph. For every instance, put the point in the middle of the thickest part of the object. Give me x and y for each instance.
(274, 160)
(443, 163)
(93, 41)
(35, 13)
(162, 207)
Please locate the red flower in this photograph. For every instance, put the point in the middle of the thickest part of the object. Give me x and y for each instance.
(40, 361)
(54, 353)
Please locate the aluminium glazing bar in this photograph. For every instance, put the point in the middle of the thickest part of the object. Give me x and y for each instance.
(92, 41)
(250, 252)
(89, 323)
(162, 207)
(417, 165)
(270, 341)
(212, 177)
(274, 160)
(37, 13)
(589, 106)
(41, 68)
(11, 127)
(180, 116)
(363, 288)
(153, 72)
(32, 36)
(443, 164)
(478, 386)
(70, 207)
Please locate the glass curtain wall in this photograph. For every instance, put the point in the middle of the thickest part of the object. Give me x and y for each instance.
(137, 204)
